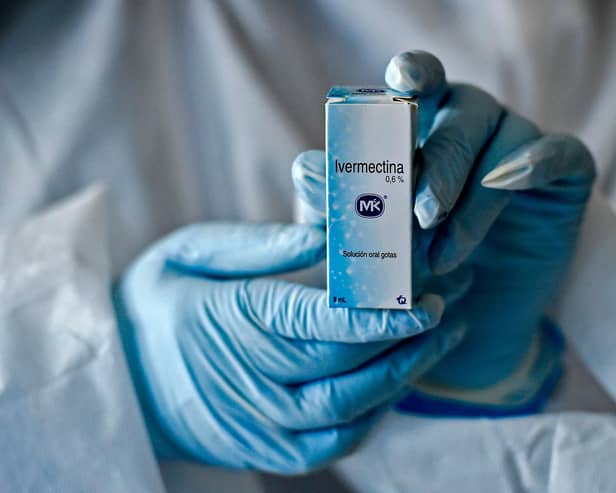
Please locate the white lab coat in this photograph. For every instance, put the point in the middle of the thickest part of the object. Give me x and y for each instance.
(192, 111)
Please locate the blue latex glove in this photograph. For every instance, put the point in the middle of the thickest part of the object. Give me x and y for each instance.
(497, 196)
(259, 373)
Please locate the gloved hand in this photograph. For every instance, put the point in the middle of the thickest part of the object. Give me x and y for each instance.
(497, 196)
(239, 371)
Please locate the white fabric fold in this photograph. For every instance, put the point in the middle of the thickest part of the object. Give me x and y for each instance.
(69, 420)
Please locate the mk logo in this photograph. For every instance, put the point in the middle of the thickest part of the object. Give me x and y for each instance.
(369, 205)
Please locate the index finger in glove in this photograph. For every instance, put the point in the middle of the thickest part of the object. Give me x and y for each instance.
(554, 160)
(478, 207)
(463, 126)
(232, 250)
(298, 312)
